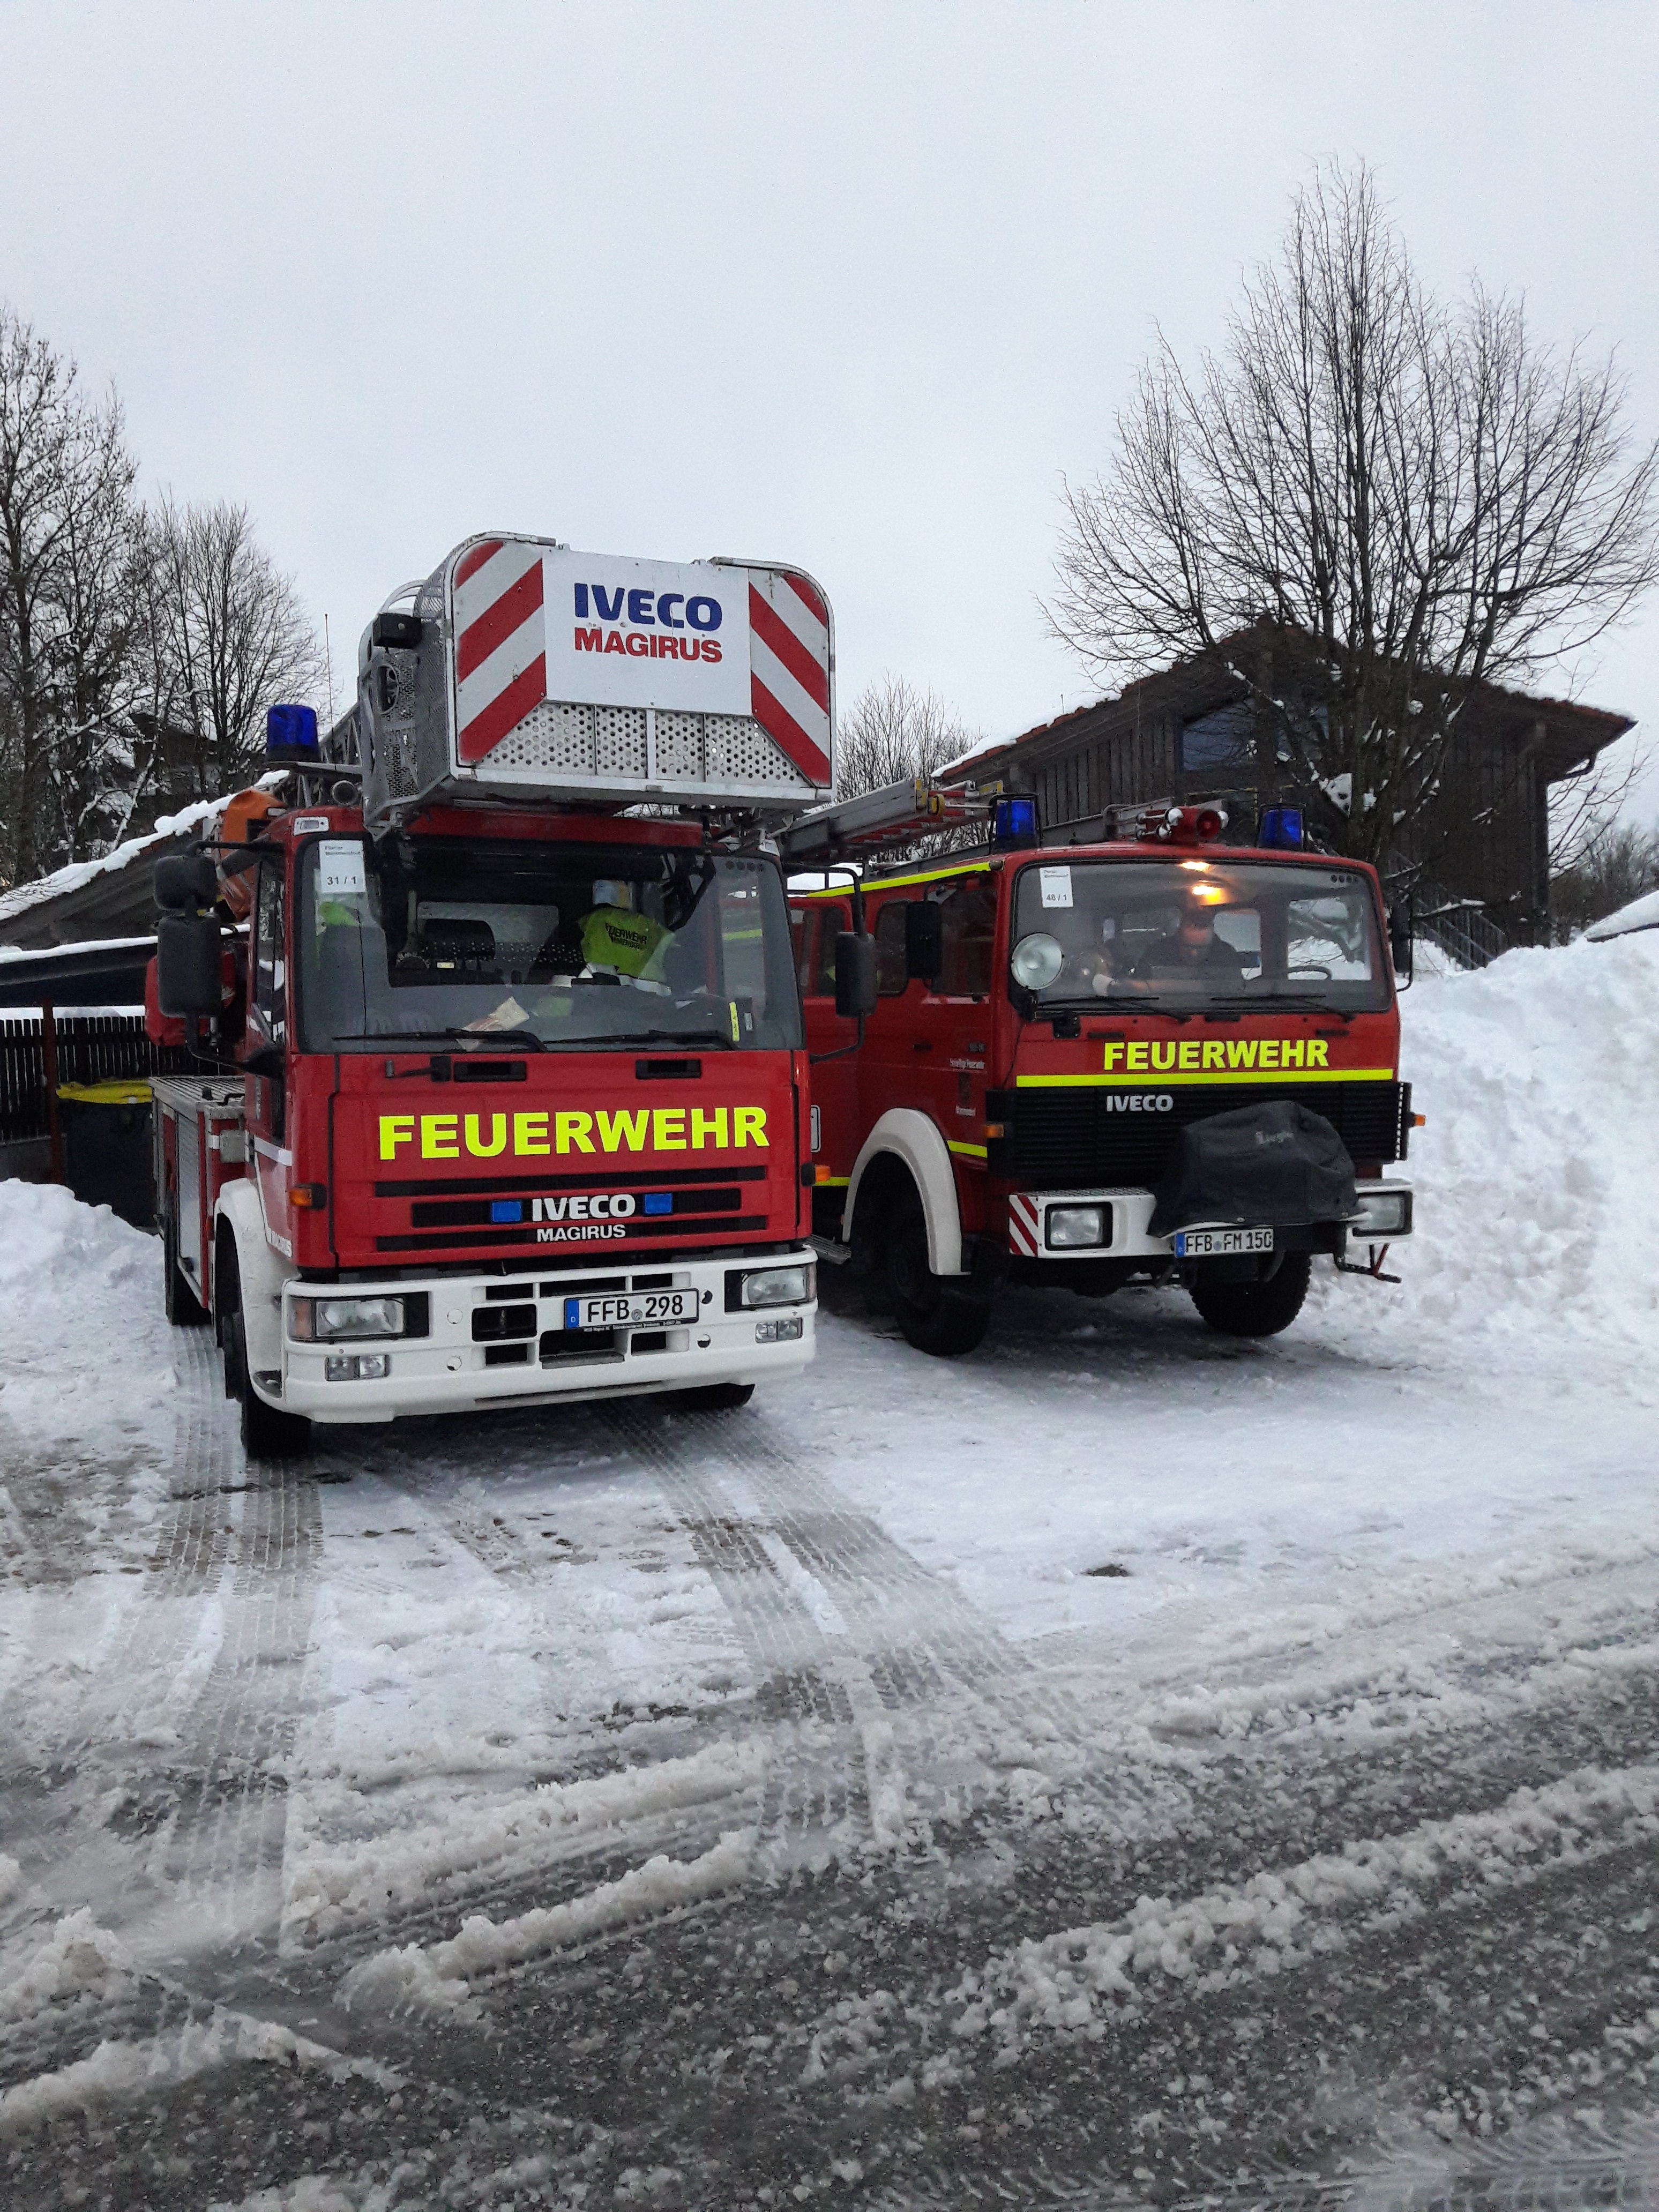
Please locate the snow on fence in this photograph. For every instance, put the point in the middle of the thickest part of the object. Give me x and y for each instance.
(91, 1049)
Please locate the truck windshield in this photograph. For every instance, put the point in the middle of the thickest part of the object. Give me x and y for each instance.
(1192, 932)
(566, 945)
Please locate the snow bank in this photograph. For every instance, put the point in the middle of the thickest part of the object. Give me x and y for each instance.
(363, 1877)
(1540, 1078)
(1277, 1921)
(88, 1355)
(78, 1960)
(425, 1979)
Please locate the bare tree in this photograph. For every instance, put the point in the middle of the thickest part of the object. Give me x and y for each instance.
(892, 732)
(1369, 503)
(233, 638)
(68, 547)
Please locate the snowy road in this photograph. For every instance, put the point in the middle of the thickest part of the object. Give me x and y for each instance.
(1126, 1768)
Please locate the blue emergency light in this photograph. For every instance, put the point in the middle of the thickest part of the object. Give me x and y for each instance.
(1014, 824)
(1281, 826)
(291, 736)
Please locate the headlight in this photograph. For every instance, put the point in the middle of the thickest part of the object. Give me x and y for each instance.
(1070, 1226)
(779, 1286)
(1036, 960)
(1381, 1213)
(328, 1321)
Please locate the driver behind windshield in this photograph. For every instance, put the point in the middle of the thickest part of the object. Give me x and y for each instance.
(1193, 952)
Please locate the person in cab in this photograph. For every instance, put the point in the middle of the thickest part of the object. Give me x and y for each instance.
(617, 941)
(1193, 952)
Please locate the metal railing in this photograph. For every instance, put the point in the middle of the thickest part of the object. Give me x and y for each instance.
(1460, 926)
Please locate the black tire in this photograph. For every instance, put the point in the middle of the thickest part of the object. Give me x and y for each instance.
(182, 1306)
(1256, 1308)
(933, 1314)
(716, 1397)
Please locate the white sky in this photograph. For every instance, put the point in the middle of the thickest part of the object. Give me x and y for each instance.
(854, 286)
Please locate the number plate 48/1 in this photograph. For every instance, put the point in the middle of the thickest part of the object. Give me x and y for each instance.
(1220, 1243)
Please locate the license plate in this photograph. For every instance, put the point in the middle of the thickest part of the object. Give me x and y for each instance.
(619, 1312)
(1218, 1243)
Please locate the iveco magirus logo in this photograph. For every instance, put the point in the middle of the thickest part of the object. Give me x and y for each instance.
(1140, 1101)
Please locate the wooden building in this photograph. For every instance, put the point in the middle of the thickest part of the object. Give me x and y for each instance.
(1189, 732)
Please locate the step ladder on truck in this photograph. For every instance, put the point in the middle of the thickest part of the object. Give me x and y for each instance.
(503, 1092)
(1157, 1057)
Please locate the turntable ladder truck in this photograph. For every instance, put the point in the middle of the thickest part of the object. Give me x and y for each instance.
(1158, 1058)
(503, 1093)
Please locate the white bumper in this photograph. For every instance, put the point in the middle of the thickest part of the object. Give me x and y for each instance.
(1129, 1237)
(449, 1371)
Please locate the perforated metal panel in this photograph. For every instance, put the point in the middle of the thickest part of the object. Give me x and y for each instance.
(550, 737)
(680, 744)
(619, 740)
(736, 749)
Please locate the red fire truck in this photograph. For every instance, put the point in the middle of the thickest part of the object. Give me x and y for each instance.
(503, 1094)
(1160, 1057)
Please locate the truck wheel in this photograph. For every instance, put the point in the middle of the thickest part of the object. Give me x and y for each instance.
(716, 1397)
(933, 1314)
(268, 1432)
(1256, 1308)
(182, 1306)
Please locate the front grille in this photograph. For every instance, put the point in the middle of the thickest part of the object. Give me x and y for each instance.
(1070, 1139)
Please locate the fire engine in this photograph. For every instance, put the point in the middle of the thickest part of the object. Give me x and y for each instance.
(1160, 1057)
(503, 1097)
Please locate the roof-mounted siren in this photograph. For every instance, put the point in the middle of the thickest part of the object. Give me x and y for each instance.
(1200, 823)
(291, 737)
(527, 669)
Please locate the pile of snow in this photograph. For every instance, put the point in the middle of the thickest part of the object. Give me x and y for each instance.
(88, 1350)
(1540, 1079)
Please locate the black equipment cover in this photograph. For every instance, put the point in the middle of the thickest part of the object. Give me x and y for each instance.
(1279, 1166)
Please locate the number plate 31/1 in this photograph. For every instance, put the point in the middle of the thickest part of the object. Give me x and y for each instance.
(1221, 1244)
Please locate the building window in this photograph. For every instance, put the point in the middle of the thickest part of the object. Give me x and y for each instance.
(1224, 738)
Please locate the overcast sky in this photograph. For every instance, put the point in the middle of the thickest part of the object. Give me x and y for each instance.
(851, 285)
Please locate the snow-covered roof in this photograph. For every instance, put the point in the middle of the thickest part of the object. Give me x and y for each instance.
(23, 897)
(1640, 913)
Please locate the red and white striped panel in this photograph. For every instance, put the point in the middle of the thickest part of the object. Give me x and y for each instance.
(500, 643)
(789, 665)
(1024, 1228)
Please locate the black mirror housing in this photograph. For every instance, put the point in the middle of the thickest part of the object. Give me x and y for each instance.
(184, 881)
(188, 964)
(855, 975)
(924, 941)
(1401, 945)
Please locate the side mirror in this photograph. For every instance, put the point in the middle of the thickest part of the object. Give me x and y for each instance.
(1401, 947)
(855, 975)
(185, 880)
(265, 1060)
(188, 968)
(924, 941)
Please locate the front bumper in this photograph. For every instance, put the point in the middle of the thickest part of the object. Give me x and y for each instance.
(1129, 1212)
(450, 1371)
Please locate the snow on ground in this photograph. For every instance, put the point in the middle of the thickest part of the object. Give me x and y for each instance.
(478, 1697)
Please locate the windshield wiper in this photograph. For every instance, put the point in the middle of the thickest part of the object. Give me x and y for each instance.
(667, 1037)
(492, 1040)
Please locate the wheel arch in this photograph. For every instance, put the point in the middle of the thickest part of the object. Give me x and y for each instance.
(261, 1272)
(911, 1139)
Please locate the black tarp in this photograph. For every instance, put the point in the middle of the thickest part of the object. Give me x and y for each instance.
(1278, 1166)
